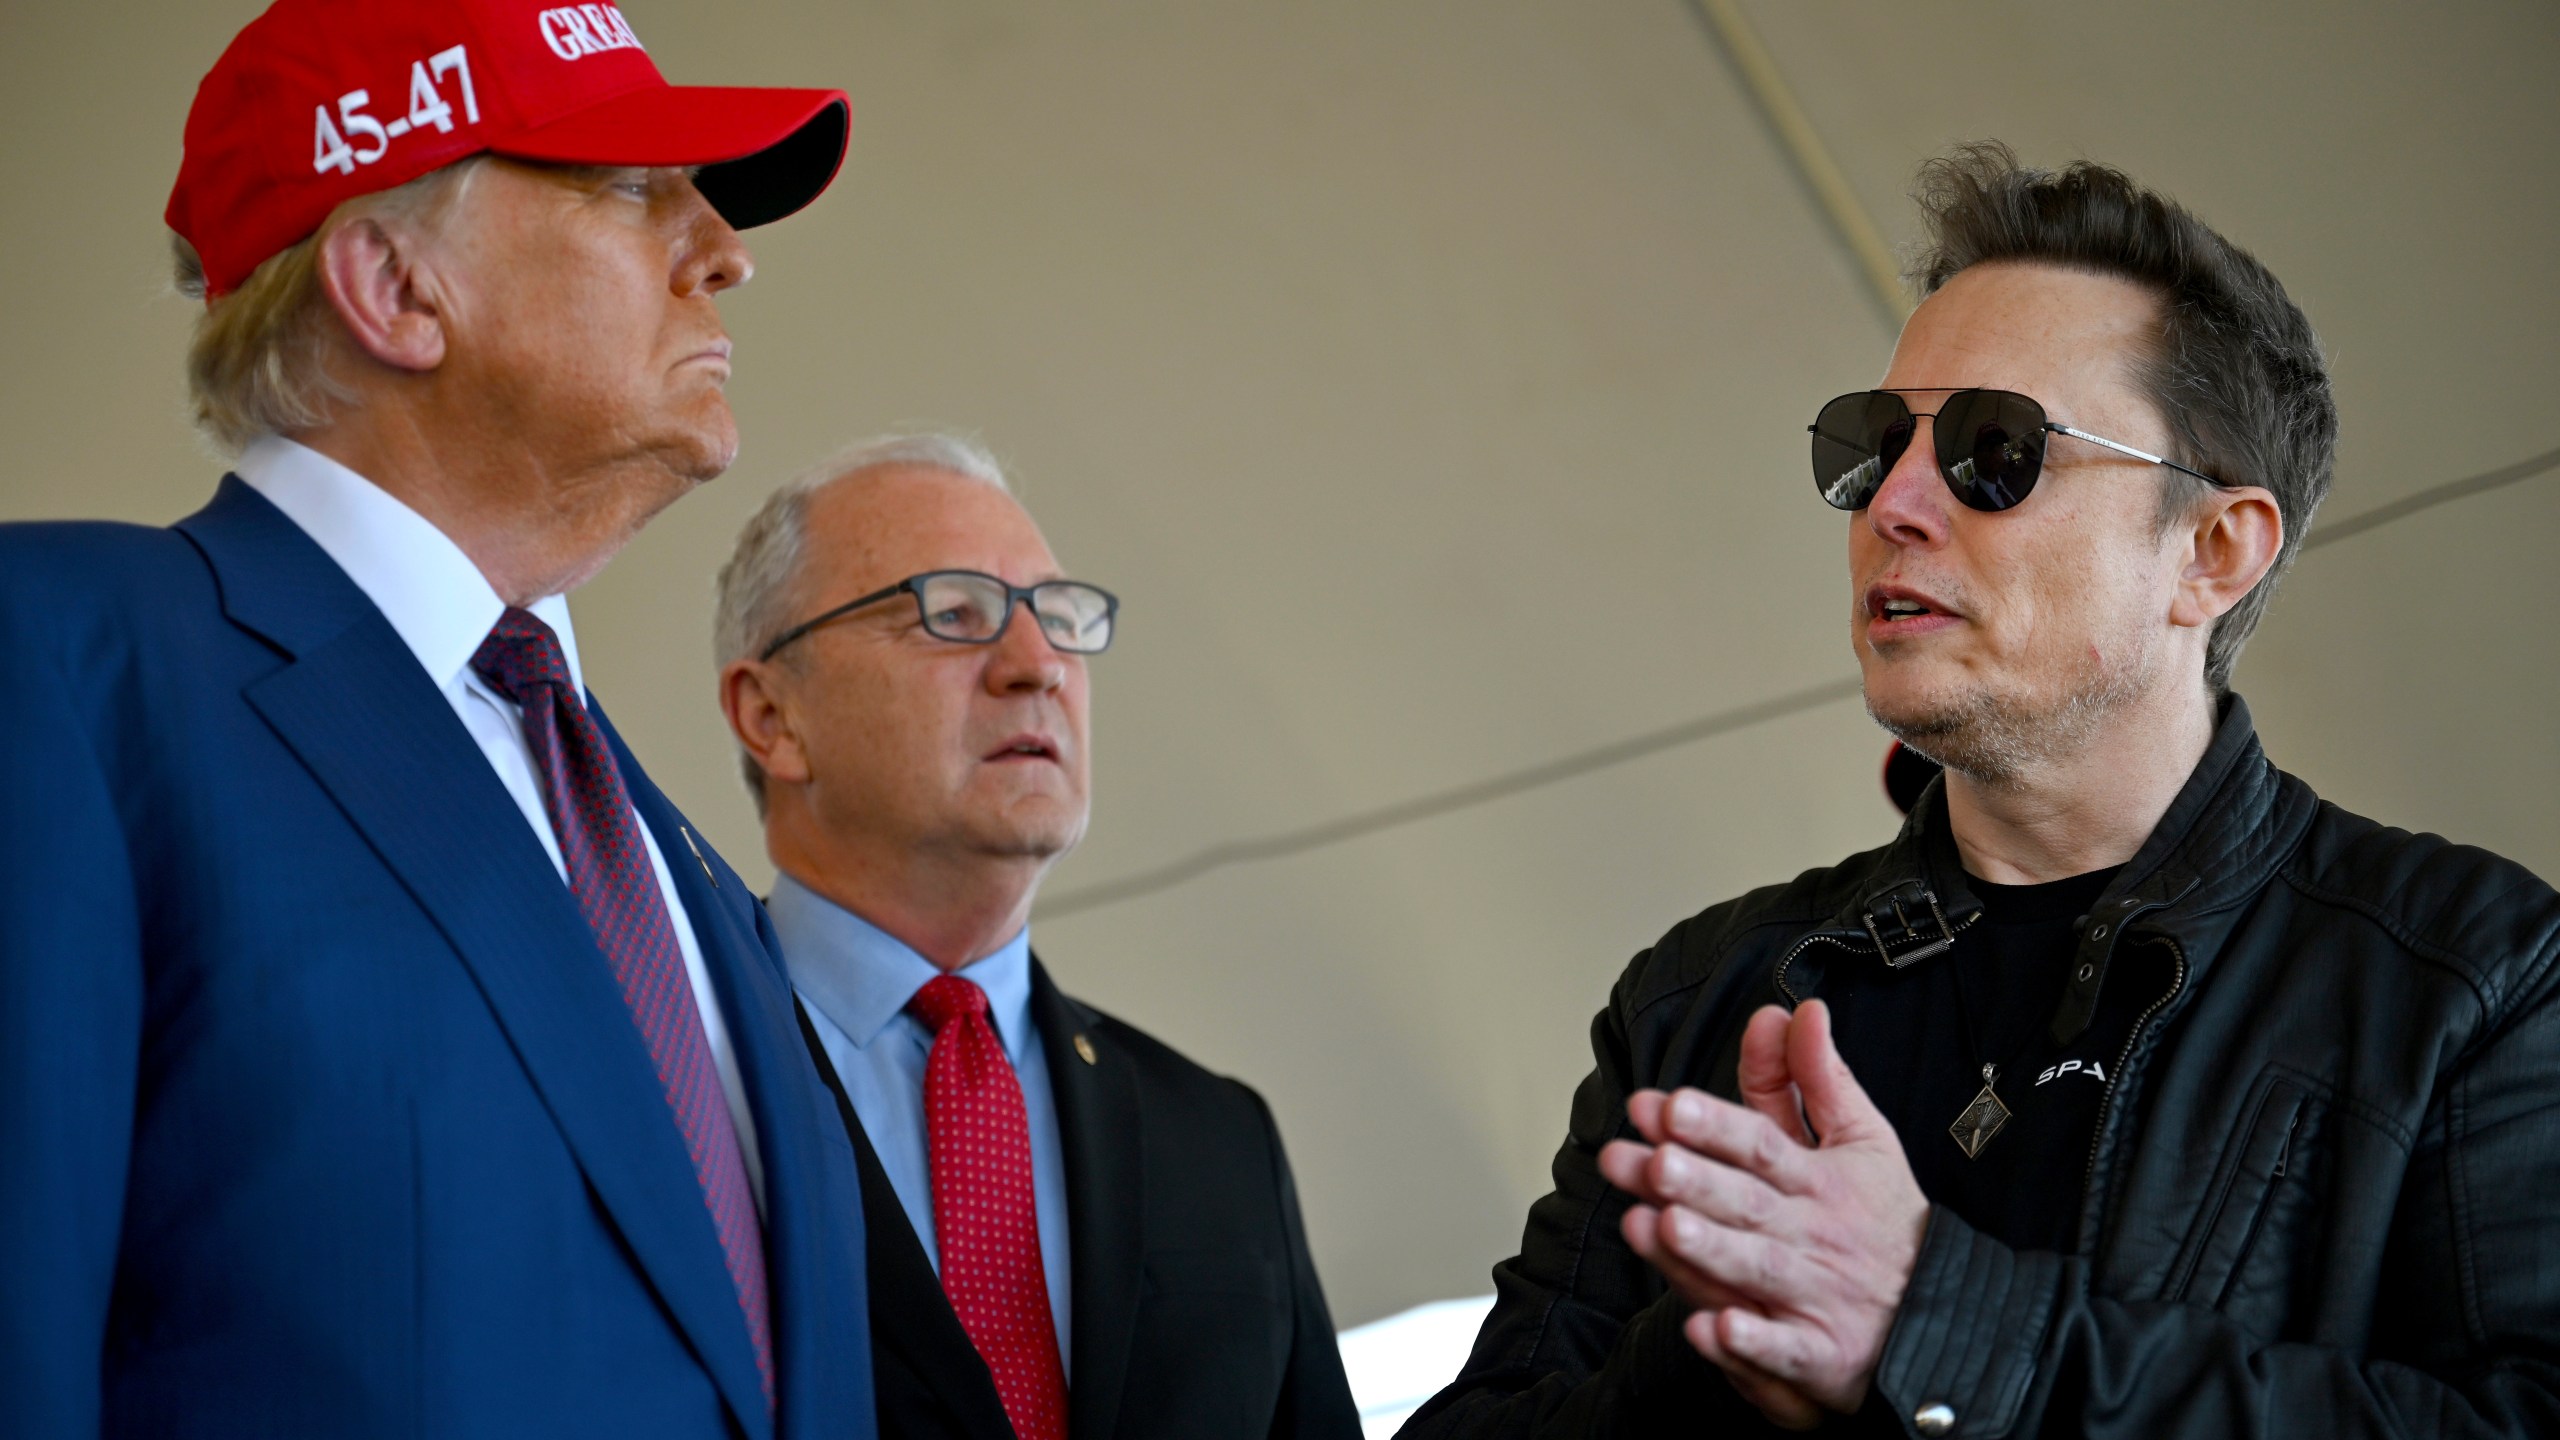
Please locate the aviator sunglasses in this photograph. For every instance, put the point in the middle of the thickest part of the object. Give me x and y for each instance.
(1990, 445)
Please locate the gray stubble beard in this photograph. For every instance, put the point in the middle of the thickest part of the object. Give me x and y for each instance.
(1997, 739)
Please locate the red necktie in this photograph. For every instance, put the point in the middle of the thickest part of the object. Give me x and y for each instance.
(984, 1217)
(617, 890)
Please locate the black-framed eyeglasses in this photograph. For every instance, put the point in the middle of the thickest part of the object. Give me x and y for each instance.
(1989, 443)
(969, 607)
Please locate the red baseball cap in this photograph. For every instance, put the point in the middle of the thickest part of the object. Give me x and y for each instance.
(319, 101)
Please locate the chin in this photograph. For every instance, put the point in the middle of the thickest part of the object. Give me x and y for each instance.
(1995, 734)
(1901, 693)
(1954, 724)
(703, 444)
(1049, 838)
(712, 452)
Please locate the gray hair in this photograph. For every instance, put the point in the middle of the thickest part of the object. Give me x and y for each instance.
(758, 595)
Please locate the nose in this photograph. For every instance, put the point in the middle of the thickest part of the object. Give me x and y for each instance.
(1024, 662)
(713, 257)
(1910, 507)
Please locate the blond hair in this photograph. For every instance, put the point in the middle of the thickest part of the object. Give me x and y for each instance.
(259, 362)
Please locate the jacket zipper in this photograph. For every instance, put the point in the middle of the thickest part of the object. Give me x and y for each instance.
(2142, 1023)
(1841, 939)
(2284, 1152)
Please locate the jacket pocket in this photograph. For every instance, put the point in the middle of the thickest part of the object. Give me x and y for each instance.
(2263, 1160)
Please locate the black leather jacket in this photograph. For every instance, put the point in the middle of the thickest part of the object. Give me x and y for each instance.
(2323, 1198)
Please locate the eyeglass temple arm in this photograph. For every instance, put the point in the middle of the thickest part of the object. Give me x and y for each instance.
(1818, 433)
(2061, 429)
(814, 621)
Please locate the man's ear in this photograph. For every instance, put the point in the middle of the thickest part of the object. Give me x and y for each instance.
(761, 722)
(2232, 542)
(374, 279)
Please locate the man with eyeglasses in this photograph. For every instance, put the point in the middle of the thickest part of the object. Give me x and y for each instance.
(2132, 1090)
(1072, 1229)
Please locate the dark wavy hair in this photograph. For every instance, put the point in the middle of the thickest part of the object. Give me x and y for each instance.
(2236, 370)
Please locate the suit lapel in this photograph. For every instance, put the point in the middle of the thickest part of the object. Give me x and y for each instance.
(927, 1339)
(356, 709)
(1106, 1183)
(814, 1263)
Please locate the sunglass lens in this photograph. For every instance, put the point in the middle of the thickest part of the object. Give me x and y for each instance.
(1990, 446)
(1856, 441)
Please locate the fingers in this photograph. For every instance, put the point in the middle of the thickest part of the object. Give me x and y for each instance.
(1744, 1139)
(1802, 1357)
(1767, 1270)
(1763, 1078)
(1675, 1176)
(1644, 1110)
(1785, 1406)
(1792, 1353)
(1642, 1225)
(1834, 1101)
(1672, 1175)
(1626, 1164)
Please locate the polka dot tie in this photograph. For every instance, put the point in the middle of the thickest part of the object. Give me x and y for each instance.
(984, 1216)
(617, 890)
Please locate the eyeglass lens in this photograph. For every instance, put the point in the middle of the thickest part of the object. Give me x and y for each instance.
(973, 609)
(1989, 445)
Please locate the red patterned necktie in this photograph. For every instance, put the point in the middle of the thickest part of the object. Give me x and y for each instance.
(617, 890)
(986, 1223)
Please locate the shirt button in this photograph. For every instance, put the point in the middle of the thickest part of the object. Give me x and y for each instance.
(1935, 1418)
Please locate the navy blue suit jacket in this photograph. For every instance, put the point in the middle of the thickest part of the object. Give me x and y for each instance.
(320, 1110)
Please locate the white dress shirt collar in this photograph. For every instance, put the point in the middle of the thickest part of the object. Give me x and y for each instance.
(433, 595)
(862, 976)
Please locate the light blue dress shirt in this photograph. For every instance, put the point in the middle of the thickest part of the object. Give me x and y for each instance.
(858, 979)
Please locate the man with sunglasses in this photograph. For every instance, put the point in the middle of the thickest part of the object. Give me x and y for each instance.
(1071, 1227)
(2132, 1090)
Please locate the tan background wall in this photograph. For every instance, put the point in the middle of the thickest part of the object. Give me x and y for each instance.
(1430, 378)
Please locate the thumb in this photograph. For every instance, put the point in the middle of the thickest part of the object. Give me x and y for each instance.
(1763, 1076)
(1834, 1101)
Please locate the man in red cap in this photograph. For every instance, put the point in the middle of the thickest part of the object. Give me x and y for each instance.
(380, 1052)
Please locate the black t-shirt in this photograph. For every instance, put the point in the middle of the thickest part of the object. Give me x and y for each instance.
(1917, 1039)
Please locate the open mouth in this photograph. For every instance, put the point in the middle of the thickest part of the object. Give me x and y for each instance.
(1024, 747)
(1897, 607)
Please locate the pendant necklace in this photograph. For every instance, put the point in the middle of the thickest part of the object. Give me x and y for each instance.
(1983, 1116)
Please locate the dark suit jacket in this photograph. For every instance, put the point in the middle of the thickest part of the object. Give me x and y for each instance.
(1196, 1313)
(323, 1114)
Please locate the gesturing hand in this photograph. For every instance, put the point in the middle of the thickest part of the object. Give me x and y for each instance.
(1792, 1222)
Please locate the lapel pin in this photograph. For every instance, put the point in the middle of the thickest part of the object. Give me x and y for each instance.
(687, 832)
(1084, 1051)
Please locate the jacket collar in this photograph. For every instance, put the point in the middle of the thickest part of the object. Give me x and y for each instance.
(1099, 1127)
(2215, 845)
(275, 582)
